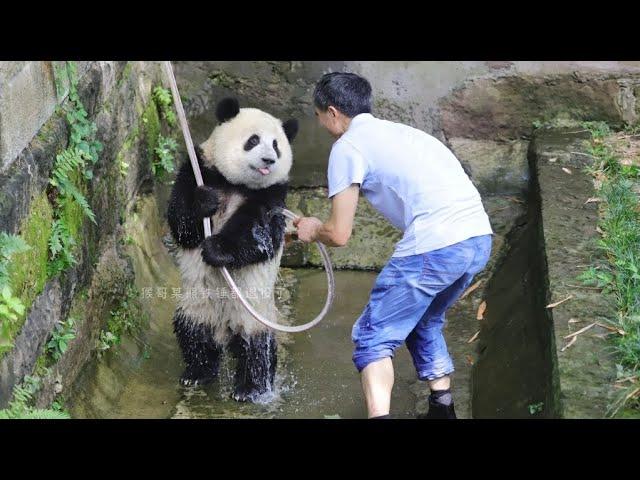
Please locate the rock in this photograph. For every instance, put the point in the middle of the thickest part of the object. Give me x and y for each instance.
(494, 167)
(27, 100)
(506, 107)
(29, 173)
(42, 318)
(570, 244)
(108, 285)
(547, 250)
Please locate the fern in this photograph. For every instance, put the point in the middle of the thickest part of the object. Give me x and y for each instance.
(163, 98)
(61, 245)
(19, 407)
(34, 414)
(66, 162)
(9, 246)
(10, 306)
(71, 167)
(82, 201)
(45, 415)
(69, 161)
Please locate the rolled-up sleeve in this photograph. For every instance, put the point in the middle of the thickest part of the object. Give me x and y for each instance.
(346, 166)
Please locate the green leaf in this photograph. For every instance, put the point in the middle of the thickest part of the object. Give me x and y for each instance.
(6, 293)
(16, 305)
(47, 414)
(11, 245)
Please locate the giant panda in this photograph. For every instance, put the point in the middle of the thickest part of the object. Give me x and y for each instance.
(245, 165)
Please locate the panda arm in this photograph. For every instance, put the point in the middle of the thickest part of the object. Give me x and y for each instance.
(188, 205)
(243, 240)
(250, 236)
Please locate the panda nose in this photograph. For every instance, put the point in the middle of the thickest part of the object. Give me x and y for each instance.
(268, 161)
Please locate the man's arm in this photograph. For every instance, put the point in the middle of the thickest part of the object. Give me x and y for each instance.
(337, 230)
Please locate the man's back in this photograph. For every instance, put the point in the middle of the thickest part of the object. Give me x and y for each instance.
(413, 179)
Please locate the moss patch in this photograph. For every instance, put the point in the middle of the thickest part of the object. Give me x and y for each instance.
(28, 270)
(121, 156)
(151, 125)
(125, 74)
(71, 212)
(128, 318)
(222, 79)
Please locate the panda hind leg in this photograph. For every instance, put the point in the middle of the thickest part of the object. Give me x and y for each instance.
(256, 365)
(200, 352)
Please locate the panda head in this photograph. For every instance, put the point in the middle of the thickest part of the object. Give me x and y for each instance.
(250, 147)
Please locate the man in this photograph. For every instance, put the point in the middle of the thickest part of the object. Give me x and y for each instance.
(419, 186)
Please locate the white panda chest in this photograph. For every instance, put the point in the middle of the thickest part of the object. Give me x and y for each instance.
(228, 204)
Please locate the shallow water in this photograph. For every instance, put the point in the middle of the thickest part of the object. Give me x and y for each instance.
(315, 376)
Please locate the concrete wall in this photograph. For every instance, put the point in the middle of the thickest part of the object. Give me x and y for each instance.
(485, 111)
(464, 104)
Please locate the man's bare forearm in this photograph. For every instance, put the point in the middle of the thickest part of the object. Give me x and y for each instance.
(336, 231)
(328, 235)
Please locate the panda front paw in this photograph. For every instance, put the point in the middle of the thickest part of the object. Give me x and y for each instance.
(206, 201)
(212, 253)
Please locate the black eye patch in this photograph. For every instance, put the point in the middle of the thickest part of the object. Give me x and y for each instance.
(253, 141)
(275, 147)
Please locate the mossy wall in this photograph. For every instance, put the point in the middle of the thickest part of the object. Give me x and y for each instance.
(118, 99)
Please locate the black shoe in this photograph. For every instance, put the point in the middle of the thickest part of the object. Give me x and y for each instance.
(438, 411)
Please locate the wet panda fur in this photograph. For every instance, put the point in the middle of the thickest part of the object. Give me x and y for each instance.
(245, 166)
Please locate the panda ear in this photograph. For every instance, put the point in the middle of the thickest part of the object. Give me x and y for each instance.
(227, 109)
(290, 128)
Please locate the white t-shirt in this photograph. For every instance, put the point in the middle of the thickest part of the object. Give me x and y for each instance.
(412, 179)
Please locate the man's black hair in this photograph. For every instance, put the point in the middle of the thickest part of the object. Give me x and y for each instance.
(348, 92)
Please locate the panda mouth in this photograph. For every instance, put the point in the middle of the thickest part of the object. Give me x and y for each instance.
(263, 170)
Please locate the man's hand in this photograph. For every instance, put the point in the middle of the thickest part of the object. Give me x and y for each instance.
(307, 228)
(337, 230)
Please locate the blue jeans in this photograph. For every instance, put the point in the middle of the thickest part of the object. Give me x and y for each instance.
(408, 303)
